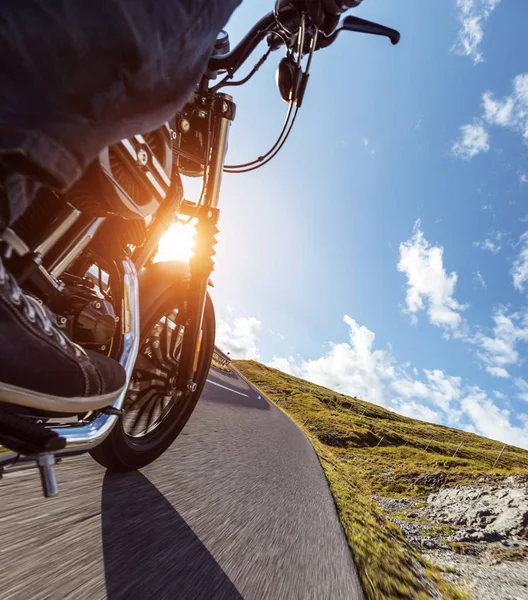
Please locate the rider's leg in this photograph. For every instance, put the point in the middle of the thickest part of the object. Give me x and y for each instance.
(75, 77)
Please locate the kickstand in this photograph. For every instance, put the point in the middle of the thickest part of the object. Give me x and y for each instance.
(48, 478)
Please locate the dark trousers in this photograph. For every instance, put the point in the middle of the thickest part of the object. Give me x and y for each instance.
(78, 75)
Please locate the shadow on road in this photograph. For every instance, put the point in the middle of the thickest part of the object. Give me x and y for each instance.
(150, 551)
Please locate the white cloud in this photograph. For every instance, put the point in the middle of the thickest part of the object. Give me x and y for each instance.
(444, 388)
(492, 244)
(472, 15)
(430, 287)
(416, 411)
(487, 207)
(439, 388)
(353, 368)
(492, 421)
(410, 388)
(239, 337)
(473, 140)
(481, 279)
(510, 111)
(286, 365)
(357, 368)
(519, 270)
(498, 372)
(277, 334)
(500, 350)
(366, 143)
(488, 245)
(522, 386)
(523, 178)
(499, 395)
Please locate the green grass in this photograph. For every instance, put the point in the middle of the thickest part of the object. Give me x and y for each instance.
(366, 450)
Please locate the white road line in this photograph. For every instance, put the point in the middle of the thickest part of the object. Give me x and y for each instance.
(227, 388)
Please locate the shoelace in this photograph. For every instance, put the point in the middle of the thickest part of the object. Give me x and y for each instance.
(34, 312)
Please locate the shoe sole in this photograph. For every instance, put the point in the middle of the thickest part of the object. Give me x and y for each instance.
(30, 399)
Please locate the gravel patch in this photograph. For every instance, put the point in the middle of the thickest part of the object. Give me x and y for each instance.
(476, 534)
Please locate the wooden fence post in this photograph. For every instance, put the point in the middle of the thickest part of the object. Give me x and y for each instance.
(498, 457)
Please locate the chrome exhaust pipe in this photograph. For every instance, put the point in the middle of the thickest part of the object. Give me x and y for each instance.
(85, 437)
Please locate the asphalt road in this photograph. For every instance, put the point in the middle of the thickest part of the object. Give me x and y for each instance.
(237, 508)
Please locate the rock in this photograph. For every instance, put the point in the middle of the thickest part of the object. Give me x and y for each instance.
(499, 512)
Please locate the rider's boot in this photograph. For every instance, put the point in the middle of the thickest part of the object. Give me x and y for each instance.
(40, 367)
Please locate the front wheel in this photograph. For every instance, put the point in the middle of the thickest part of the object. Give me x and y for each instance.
(153, 414)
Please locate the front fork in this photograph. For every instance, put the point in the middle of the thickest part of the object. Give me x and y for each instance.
(202, 263)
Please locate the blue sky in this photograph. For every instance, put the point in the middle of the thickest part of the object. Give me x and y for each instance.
(382, 253)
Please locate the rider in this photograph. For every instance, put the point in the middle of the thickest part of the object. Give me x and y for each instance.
(76, 77)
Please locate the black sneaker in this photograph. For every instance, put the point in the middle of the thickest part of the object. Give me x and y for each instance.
(41, 368)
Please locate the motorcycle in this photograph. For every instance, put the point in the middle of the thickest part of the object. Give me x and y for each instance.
(88, 256)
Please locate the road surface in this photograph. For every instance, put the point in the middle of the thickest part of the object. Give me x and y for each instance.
(237, 508)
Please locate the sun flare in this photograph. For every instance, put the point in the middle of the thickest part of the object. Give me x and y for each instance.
(176, 243)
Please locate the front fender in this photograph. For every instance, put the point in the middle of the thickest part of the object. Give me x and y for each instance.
(157, 280)
(160, 280)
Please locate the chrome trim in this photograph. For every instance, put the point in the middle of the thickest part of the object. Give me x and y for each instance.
(86, 437)
(155, 162)
(63, 264)
(131, 150)
(159, 189)
(161, 170)
(216, 166)
(62, 228)
(51, 280)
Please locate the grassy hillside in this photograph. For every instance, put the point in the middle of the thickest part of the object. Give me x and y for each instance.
(366, 450)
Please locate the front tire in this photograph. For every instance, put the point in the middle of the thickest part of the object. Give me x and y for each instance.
(127, 447)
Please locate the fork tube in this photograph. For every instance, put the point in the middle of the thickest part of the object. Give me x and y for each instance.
(202, 263)
(214, 180)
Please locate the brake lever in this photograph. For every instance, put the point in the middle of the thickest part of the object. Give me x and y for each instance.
(362, 26)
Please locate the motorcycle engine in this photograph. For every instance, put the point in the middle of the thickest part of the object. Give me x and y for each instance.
(129, 179)
(89, 319)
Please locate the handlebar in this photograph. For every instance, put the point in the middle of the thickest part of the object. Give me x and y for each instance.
(362, 26)
(269, 24)
(232, 60)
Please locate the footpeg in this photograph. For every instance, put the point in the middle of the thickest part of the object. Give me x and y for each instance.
(24, 436)
(48, 478)
(28, 438)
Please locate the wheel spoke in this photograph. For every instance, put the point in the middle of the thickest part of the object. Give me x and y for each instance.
(140, 414)
(157, 352)
(169, 333)
(151, 394)
(153, 413)
(177, 347)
